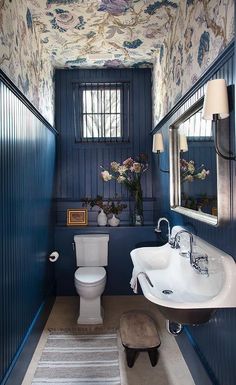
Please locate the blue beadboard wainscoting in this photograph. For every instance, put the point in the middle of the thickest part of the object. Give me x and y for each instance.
(214, 342)
(78, 167)
(27, 155)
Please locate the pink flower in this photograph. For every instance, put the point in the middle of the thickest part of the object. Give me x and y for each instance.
(128, 162)
(113, 63)
(115, 166)
(66, 20)
(151, 33)
(115, 7)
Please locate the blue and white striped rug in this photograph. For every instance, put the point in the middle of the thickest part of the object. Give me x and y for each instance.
(70, 358)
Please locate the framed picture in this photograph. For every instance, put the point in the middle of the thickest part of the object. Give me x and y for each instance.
(77, 217)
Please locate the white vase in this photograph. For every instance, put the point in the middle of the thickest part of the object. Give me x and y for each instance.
(113, 221)
(102, 218)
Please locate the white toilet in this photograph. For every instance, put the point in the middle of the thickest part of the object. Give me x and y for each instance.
(90, 277)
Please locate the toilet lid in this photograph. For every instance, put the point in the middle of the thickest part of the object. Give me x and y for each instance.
(90, 274)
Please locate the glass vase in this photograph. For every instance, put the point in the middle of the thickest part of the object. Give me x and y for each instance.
(136, 208)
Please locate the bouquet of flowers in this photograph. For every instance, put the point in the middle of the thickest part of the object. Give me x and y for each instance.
(109, 207)
(116, 207)
(189, 173)
(129, 173)
(98, 201)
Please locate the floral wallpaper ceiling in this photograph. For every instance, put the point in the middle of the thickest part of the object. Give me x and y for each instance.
(23, 58)
(178, 38)
(102, 32)
(200, 31)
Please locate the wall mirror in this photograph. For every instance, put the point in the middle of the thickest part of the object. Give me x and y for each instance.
(199, 179)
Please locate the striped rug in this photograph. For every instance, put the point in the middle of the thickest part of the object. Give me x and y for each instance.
(70, 358)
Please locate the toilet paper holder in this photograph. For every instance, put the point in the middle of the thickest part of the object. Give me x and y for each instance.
(53, 257)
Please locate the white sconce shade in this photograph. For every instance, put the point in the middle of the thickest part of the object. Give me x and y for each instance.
(183, 144)
(157, 144)
(216, 100)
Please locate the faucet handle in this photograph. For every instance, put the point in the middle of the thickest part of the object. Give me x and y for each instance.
(202, 258)
(200, 263)
(199, 255)
(171, 242)
(202, 270)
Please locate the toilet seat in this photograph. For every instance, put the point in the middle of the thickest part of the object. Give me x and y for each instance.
(90, 275)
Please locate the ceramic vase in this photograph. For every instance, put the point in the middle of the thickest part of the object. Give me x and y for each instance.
(114, 221)
(102, 218)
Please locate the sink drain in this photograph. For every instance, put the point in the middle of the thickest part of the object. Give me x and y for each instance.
(167, 291)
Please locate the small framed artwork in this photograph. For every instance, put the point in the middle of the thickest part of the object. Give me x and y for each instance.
(77, 217)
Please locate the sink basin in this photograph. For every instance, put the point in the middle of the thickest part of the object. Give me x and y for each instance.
(151, 258)
(181, 292)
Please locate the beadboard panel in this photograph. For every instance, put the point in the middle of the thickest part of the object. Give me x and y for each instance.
(215, 341)
(78, 167)
(27, 151)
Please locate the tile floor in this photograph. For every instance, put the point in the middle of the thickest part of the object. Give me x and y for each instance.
(170, 369)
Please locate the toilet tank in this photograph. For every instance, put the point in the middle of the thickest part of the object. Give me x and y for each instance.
(91, 249)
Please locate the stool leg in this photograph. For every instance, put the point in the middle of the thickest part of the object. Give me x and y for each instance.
(153, 354)
(130, 356)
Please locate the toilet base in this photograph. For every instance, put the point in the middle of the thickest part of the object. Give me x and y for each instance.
(90, 312)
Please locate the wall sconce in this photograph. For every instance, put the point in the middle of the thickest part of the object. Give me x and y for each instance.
(215, 108)
(183, 144)
(157, 148)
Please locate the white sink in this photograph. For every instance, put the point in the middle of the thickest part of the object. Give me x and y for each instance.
(188, 289)
(147, 257)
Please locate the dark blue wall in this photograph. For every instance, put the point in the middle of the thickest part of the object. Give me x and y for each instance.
(119, 270)
(214, 342)
(78, 168)
(78, 175)
(26, 170)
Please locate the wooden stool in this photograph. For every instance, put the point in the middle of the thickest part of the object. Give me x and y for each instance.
(139, 334)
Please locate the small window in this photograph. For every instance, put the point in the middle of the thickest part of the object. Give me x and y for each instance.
(101, 111)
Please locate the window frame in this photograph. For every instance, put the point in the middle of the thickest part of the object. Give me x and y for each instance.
(79, 87)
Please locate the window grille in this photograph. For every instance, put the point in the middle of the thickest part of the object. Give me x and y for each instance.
(101, 111)
(196, 128)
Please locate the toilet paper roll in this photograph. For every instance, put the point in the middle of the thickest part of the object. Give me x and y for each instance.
(53, 257)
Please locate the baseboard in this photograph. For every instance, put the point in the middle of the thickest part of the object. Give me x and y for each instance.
(23, 356)
(194, 361)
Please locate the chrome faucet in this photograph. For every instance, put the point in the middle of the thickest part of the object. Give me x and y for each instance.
(175, 244)
(158, 229)
(198, 262)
